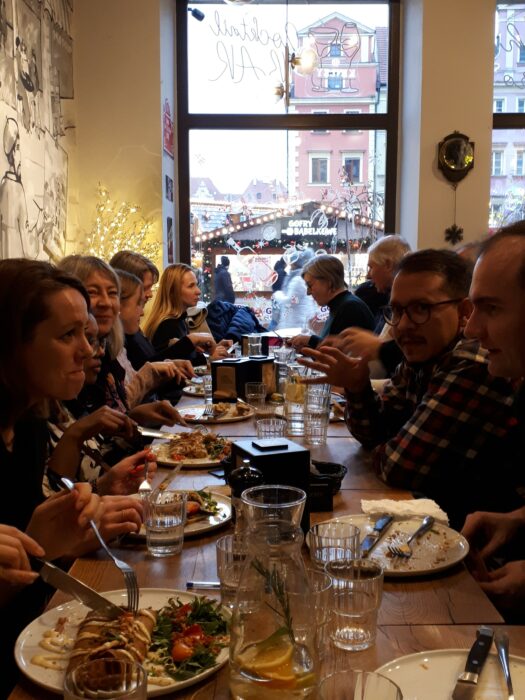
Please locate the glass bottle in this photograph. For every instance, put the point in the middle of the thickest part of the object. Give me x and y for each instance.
(272, 638)
(241, 478)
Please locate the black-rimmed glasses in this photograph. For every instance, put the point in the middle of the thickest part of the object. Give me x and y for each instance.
(418, 312)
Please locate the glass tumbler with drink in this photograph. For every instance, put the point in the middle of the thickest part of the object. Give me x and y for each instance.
(294, 399)
(164, 520)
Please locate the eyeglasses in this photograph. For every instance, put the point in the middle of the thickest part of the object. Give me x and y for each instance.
(97, 345)
(418, 312)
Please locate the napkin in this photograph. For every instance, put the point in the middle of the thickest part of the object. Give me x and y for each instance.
(418, 507)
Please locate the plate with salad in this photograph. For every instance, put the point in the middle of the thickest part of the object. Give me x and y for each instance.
(192, 450)
(189, 640)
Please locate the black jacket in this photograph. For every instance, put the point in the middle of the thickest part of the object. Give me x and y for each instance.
(223, 285)
(346, 310)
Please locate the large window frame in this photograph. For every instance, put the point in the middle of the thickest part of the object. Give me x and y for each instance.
(187, 122)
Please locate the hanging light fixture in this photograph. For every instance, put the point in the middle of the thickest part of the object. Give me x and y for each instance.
(305, 62)
(238, 2)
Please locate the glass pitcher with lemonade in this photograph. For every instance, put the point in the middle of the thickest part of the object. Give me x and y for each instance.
(272, 639)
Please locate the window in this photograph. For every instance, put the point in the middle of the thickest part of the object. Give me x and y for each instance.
(320, 131)
(352, 111)
(497, 163)
(521, 57)
(248, 124)
(319, 168)
(519, 162)
(520, 107)
(335, 81)
(499, 105)
(352, 168)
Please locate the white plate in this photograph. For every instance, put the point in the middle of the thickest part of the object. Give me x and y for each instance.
(194, 389)
(432, 675)
(198, 526)
(436, 550)
(161, 449)
(27, 644)
(194, 414)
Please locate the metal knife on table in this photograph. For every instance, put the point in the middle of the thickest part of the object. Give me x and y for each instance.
(69, 584)
(467, 682)
(151, 432)
(381, 525)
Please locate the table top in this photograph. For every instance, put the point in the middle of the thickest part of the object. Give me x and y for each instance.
(416, 614)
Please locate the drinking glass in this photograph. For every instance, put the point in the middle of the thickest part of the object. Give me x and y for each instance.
(358, 588)
(273, 502)
(294, 399)
(316, 413)
(358, 685)
(270, 428)
(333, 540)
(165, 519)
(232, 551)
(255, 394)
(255, 345)
(208, 388)
(321, 594)
(106, 678)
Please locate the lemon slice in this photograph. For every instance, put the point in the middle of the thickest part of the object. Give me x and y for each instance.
(263, 659)
(295, 392)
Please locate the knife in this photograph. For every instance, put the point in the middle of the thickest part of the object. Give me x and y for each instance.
(150, 432)
(381, 525)
(466, 685)
(65, 582)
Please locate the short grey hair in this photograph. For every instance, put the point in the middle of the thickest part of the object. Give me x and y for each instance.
(328, 268)
(389, 249)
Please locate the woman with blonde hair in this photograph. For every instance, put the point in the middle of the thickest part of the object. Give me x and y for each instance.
(166, 325)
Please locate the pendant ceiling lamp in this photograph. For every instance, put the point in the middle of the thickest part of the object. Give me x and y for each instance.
(238, 2)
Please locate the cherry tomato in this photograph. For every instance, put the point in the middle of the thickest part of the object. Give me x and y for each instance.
(192, 507)
(180, 651)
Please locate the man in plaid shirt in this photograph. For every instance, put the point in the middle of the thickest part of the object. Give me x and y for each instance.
(441, 416)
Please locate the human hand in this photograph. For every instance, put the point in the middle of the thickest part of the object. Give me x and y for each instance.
(126, 476)
(166, 370)
(488, 532)
(14, 563)
(121, 516)
(219, 353)
(61, 522)
(298, 342)
(104, 420)
(506, 586)
(157, 413)
(225, 343)
(185, 368)
(203, 342)
(338, 369)
(356, 342)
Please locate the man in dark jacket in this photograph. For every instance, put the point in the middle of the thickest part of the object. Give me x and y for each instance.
(223, 282)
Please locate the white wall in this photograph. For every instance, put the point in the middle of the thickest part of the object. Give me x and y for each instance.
(118, 100)
(447, 86)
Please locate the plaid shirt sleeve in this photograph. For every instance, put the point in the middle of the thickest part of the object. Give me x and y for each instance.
(462, 409)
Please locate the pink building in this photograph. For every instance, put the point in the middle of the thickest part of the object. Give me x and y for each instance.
(346, 81)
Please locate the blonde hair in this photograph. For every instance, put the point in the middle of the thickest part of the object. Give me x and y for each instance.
(83, 266)
(167, 302)
(389, 249)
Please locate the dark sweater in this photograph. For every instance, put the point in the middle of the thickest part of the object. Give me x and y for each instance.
(171, 328)
(346, 310)
(140, 350)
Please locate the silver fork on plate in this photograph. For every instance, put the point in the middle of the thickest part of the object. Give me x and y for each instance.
(145, 489)
(404, 549)
(130, 576)
(501, 639)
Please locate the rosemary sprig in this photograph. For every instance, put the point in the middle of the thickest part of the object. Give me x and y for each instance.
(275, 583)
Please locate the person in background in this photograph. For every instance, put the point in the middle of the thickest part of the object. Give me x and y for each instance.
(292, 307)
(166, 325)
(139, 265)
(324, 277)
(498, 322)
(438, 424)
(378, 347)
(41, 360)
(280, 269)
(223, 281)
(103, 287)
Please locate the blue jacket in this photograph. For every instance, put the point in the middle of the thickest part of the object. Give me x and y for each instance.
(230, 321)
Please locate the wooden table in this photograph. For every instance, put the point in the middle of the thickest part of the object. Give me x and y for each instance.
(440, 611)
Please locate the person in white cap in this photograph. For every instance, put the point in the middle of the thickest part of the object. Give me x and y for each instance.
(292, 307)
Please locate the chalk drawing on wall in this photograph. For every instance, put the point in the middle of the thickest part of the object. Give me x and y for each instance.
(28, 67)
(55, 199)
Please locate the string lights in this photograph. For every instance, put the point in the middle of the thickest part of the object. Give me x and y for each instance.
(120, 227)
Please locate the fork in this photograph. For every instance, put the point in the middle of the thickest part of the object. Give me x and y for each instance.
(130, 576)
(501, 640)
(405, 550)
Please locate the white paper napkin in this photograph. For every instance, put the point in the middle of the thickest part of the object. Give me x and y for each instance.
(402, 509)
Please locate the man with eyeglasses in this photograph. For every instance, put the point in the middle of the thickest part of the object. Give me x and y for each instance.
(498, 322)
(441, 411)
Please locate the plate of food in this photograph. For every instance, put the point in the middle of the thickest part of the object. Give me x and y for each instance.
(437, 672)
(167, 635)
(437, 550)
(192, 450)
(222, 412)
(193, 389)
(205, 510)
